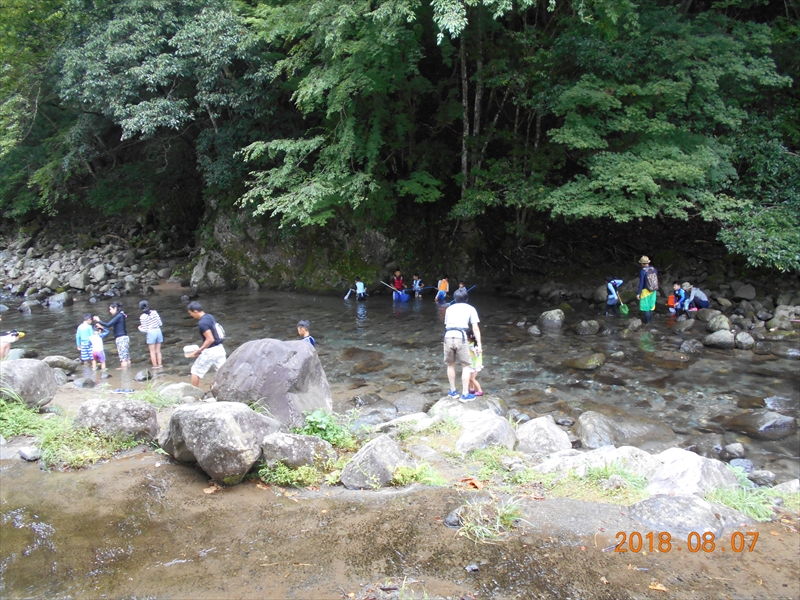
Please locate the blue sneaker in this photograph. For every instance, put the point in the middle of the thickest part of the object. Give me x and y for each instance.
(467, 397)
(453, 393)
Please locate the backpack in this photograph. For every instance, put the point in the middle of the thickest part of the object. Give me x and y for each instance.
(219, 332)
(651, 279)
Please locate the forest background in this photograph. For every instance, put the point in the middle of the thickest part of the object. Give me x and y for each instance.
(492, 132)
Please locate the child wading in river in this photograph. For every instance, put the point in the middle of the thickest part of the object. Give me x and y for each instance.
(83, 338)
(476, 365)
(98, 352)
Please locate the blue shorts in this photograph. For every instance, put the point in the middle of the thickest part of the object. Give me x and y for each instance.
(154, 336)
(441, 295)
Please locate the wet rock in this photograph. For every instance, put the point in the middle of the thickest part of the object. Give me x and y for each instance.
(691, 346)
(413, 402)
(779, 323)
(632, 459)
(618, 355)
(32, 380)
(534, 330)
(635, 324)
(372, 365)
(178, 391)
(745, 292)
(684, 473)
(374, 465)
(682, 326)
(723, 340)
(363, 400)
(735, 450)
(143, 375)
(61, 377)
(724, 302)
(551, 319)
(30, 306)
(285, 378)
(792, 486)
(684, 514)
(614, 482)
(762, 477)
(119, 417)
(542, 436)
(718, 323)
(706, 314)
(295, 450)
(762, 425)
(762, 348)
(710, 446)
(744, 341)
(224, 438)
(763, 315)
(84, 383)
(454, 409)
(783, 352)
(587, 328)
(597, 430)
(744, 464)
(61, 362)
(30, 453)
(782, 405)
(484, 429)
(587, 363)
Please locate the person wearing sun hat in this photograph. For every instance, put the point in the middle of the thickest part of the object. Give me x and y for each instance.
(695, 298)
(648, 285)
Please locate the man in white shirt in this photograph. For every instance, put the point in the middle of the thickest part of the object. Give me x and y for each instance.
(457, 320)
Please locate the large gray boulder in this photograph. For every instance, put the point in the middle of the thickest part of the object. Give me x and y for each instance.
(597, 430)
(79, 281)
(684, 514)
(723, 340)
(286, 379)
(630, 458)
(706, 314)
(33, 381)
(587, 328)
(224, 438)
(295, 450)
(551, 319)
(119, 417)
(98, 273)
(744, 341)
(485, 429)
(684, 473)
(762, 424)
(61, 362)
(177, 391)
(412, 402)
(374, 465)
(745, 292)
(451, 408)
(542, 436)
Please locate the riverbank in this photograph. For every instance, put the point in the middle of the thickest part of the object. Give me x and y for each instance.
(142, 524)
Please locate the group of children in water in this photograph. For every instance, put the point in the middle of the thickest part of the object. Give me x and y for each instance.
(685, 298)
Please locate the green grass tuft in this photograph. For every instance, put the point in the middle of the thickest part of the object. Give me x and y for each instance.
(755, 502)
(487, 522)
(152, 395)
(422, 473)
(280, 474)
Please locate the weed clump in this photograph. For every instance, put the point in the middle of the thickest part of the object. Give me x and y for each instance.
(487, 522)
(423, 473)
(330, 427)
(755, 502)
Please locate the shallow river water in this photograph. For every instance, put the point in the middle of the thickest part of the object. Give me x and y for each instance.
(691, 395)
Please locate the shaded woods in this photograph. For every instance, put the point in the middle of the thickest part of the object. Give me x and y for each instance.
(489, 124)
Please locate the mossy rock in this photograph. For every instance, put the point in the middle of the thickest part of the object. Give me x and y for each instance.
(565, 307)
(86, 242)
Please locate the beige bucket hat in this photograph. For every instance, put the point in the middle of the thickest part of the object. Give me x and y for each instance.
(644, 260)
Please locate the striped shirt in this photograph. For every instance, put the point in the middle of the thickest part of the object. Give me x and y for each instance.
(149, 322)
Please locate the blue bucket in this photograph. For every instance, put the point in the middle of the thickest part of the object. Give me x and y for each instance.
(401, 296)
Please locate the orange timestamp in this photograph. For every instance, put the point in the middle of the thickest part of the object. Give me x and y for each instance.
(695, 542)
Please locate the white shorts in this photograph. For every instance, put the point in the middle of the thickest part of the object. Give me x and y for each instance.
(210, 357)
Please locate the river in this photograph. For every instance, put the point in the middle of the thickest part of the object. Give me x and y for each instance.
(117, 506)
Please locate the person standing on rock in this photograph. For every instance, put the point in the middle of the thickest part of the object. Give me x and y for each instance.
(150, 325)
(459, 318)
(121, 339)
(648, 284)
(212, 352)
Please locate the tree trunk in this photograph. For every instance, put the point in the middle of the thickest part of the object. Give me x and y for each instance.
(465, 128)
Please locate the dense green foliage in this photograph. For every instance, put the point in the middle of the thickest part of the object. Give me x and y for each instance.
(310, 110)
